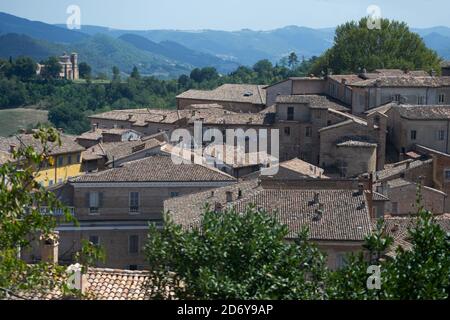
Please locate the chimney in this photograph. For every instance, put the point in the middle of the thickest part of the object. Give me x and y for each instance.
(360, 188)
(77, 280)
(94, 127)
(433, 73)
(49, 247)
(316, 197)
(12, 148)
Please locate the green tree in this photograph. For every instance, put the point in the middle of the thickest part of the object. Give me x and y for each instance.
(356, 47)
(21, 198)
(234, 256)
(24, 68)
(116, 73)
(85, 70)
(292, 60)
(135, 73)
(423, 272)
(52, 68)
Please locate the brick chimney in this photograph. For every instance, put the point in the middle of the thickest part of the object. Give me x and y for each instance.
(49, 247)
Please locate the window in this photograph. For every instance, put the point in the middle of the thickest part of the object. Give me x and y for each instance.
(94, 239)
(134, 202)
(94, 202)
(394, 207)
(78, 158)
(318, 114)
(133, 244)
(50, 182)
(328, 123)
(440, 135)
(290, 113)
(132, 267)
(174, 194)
(69, 159)
(308, 132)
(60, 161)
(441, 98)
(397, 97)
(287, 131)
(340, 260)
(413, 134)
(447, 174)
(420, 100)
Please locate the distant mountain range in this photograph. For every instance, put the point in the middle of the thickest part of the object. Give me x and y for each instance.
(169, 53)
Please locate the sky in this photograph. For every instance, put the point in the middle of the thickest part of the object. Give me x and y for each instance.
(228, 15)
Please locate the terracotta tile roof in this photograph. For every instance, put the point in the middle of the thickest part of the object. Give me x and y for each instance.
(423, 112)
(345, 215)
(347, 119)
(397, 227)
(119, 150)
(376, 196)
(105, 284)
(113, 284)
(314, 101)
(356, 141)
(349, 78)
(404, 81)
(68, 144)
(156, 169)
(246, 93)
(221, 116)
(303, 168)
(139, 117)
(391, 171)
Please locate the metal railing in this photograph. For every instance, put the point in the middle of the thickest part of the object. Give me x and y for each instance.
(56, 212)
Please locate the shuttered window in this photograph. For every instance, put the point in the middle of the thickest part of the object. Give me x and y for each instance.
(133, 244)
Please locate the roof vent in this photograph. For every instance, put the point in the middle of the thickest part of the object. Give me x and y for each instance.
(248, 94)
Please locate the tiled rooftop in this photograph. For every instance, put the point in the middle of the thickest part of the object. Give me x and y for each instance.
(404, 81)
(391, 171)
(345, 214)
(247, 93)
(314, 101)
(156, 169)
(397, 227)
(423, 112)
(68, 144)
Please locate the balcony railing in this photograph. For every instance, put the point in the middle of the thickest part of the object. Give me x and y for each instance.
(56, 212)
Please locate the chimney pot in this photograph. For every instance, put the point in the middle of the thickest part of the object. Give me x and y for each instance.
(360, 188)
(49, 247)
(316, 197)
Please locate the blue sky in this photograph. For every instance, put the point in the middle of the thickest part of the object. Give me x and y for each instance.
(228, 14)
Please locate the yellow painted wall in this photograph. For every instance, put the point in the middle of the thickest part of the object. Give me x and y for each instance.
(58, 171)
